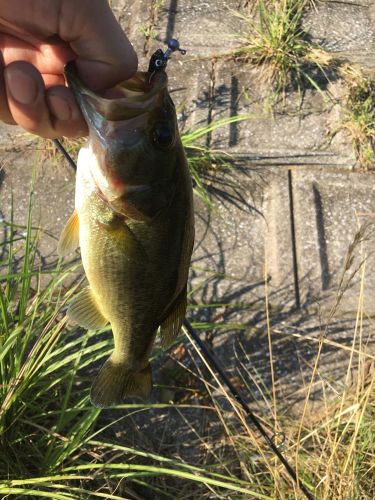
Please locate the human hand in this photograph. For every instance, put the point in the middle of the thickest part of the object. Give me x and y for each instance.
(37, 39)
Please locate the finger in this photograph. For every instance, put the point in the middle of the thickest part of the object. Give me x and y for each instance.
(49, 113)
(53, 80)
(105, 55)
(50, 63)
(65, 115)
(5, 114)
(49, 57)
(26, 98)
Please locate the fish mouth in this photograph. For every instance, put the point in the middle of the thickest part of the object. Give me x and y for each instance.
(128, 100)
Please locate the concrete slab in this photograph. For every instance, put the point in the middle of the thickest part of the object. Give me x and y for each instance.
(219, 88)
(135, 19)
(203, 28)
(53, 198)
(297, 132)
(10, 137)
(228, 260)
(189, 86)
(244, 244)
(149, 25)
(329, 209)
(346, 28)
(278, 247)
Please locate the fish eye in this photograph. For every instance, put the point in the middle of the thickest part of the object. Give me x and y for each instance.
(163, 136)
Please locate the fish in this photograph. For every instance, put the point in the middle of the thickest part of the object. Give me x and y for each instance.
(134, 224)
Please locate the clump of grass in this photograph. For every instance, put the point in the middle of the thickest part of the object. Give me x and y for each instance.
(41, 423)
(359, 118)
(203, 160)
(336, 444)
(330, 436)
(280, 46)
(331, 440)
(52, 441)
(334, 438)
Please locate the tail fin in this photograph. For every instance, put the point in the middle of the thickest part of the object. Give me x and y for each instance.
(115, 382)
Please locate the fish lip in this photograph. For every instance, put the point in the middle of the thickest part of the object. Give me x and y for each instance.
(97, 108)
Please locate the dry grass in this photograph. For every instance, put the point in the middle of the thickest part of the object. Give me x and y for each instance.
(276, 42)
(359, 119)
(62, 444)
(329, 437)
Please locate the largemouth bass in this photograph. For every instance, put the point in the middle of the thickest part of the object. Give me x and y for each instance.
(133, 220)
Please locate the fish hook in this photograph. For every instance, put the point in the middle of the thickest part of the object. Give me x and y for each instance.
(159, 59)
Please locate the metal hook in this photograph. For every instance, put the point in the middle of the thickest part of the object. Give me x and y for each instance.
(173, 45)
(159, 59)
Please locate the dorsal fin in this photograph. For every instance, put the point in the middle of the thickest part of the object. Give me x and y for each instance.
(171, 326)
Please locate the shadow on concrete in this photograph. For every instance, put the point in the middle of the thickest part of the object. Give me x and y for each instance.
(2, 176)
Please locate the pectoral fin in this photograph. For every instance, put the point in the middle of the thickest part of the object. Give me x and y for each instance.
(172, 324)
(69, 239)
(84, 311)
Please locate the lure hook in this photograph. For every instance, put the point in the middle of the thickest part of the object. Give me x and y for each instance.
(159, 59)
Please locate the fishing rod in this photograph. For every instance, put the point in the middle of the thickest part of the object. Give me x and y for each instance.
(212, 361)
(65, 153)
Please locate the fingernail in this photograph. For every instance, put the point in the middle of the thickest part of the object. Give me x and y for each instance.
(59, 107)
(22, 87)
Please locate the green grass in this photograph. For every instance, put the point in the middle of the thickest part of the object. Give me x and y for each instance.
(53, 442)
(359, 119)
(277, 43)
(204, 161)
(150, 28)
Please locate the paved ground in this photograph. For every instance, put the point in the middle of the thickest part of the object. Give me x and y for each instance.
(288, 209)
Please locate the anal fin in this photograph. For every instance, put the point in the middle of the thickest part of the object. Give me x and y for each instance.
(69, 239)
(171, 326)
(84, 311)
